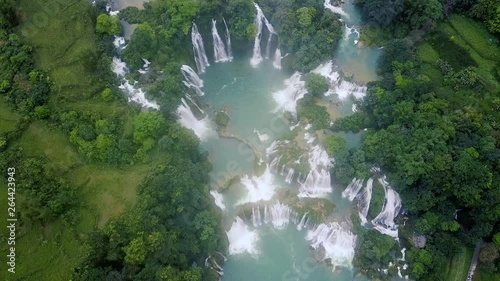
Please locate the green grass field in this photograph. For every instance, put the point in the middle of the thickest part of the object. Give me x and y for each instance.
(8, 118)
(458, 266)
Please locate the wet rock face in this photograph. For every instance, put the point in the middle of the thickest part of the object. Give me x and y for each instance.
(319, 253)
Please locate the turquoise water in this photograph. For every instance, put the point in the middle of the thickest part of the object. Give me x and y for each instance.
(246, 93)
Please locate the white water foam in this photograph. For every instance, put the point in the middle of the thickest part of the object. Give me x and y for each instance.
(259, 188)
(384, 222)
(188, 120)
(242, 239)
(337, 10)
(338, 242)
(219, 199)
(318, 181)
(260, 21)
(192, 80)
(294, 90)
(342, 88)
(200, 56)
(220, 53)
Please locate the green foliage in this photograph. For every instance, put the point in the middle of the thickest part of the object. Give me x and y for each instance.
(382, 13)
(373, 250)
(221, 119)
(109, 25)
(306, 16)
(316, 84)
(335, 144)
(143, 44)
(173, 220)
(451, 52)
(314, 114)
(240, 16)
(307, 31)
(433, 136)
(107, 95)
(496, 239)
(420, 13)
(148, 125)
(489, 12)
(47, 196)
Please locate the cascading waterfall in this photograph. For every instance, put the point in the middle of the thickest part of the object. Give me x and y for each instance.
(338, 243)
(339, 86)
(384, 222)
(192, 80)
(220, 54)
(187, 119)
(278, 215)
(228, 42)
(294, 90)
(318, 181)
(277, 59)
(364, 199)
(200, 56)
(337, 10)
(242, 239)
(352, 189)
(134, 94)
(219, 199)
(259, 188)
(260, 21)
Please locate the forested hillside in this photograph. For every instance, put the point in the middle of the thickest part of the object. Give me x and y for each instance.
(433, 125)
(105, 189)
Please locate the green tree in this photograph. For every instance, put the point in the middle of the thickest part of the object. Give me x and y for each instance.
(148, 125)
(143, 44)
(306, 15)
(423, 12)
(382, 12)
(109, 25)
(335, 144)
(316, 84)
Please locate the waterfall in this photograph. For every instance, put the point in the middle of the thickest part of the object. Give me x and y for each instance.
(403, 255)
(352, 189)
(219, 199)
(277, 59)
(134, 94)
(262, 137)
(338, 243)
(256, 217)
(187, 119)
(318, 181)
(200, 56)
(364, 198)
(384, 222)
(220, 54)
(260, 20)
(289, 176)
(280, 215)
(259, 188)
(302, 222)
(287, 98)
(228, 42)
(344, 89)
(337, 10)
(241, 239)
(192, 80)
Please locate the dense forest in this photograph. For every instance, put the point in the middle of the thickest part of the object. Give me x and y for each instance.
(433, 125)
